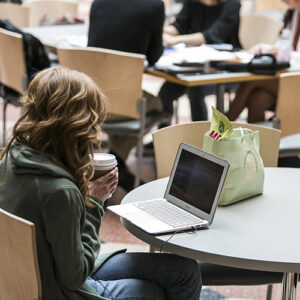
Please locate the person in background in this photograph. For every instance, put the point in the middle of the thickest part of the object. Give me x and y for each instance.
(132, 26)
(45, 172)
(200, 22)
(260, 96)
(12, 1)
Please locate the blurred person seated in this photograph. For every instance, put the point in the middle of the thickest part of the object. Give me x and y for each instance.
(260, 96)
(12, 1)
(132, 26)
(49, 156)
(199, 22)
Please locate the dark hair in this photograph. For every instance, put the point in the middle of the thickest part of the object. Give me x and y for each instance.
(287, 18)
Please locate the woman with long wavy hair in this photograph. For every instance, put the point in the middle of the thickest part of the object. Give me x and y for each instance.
(46, 169)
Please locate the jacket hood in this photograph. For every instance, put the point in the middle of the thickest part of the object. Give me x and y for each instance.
(26, 160)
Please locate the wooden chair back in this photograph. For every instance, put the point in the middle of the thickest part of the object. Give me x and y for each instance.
(288, 103)
(12, 61)
(263, 5)
(15, 13)
(166, 142)
(118, 74)
(50, 9)
(256, 29)
(20, 276)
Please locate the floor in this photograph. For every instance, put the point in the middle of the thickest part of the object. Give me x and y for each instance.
(114, 234)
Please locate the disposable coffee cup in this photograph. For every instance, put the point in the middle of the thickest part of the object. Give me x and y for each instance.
(103, 163)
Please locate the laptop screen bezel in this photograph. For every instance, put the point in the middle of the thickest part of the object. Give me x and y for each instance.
(186, 206)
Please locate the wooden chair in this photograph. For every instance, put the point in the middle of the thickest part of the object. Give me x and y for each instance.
(287, 114)
(50, 9)
(12, 69)
(119, 74)
(263, 5)
(20, 276)
(15, 13)
(252, 24)
(167, 140)
(288, 104)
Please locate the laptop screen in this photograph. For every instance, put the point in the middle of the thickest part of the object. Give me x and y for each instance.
(196, 180)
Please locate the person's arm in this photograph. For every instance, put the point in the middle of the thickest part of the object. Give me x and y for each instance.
(224, 26)
(155, 48)
(193, 39)
(182, 22)
(72, 230)
(177, 32)
(171, 30)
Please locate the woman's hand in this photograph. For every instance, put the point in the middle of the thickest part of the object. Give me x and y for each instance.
(193, 39)
(170, 40)
(105, 185)
(171, 30)
(263, 49)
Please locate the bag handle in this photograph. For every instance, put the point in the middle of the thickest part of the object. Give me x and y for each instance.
(243, 134)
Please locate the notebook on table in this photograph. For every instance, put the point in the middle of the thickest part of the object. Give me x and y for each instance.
(191, 197)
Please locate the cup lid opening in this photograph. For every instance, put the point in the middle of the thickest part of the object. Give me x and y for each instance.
(104, 159)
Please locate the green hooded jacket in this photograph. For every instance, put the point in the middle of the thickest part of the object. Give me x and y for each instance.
(67, 231)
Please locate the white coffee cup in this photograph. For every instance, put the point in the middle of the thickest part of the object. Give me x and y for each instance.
(103, 163)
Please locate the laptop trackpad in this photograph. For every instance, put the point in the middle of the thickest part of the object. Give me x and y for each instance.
(140, 218)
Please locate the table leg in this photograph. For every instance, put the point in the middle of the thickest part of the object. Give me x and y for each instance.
(289, 285)
(220, 90)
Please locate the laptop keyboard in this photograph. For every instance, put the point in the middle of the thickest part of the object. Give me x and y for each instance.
(168, 213)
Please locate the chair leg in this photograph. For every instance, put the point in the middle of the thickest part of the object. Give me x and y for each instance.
(269, 292)
(175, 110)
(140, 150)
(140, 146)
(4, 123)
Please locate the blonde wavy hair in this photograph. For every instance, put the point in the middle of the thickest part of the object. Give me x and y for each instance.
(63, 110)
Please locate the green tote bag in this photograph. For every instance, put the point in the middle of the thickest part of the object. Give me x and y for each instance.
(245, 177)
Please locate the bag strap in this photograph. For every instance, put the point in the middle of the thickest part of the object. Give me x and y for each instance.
(243, 134)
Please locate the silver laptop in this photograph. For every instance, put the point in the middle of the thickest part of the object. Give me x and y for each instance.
(190, 199)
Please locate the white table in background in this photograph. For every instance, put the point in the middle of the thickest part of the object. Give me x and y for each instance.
(61, 35)
(259, 233)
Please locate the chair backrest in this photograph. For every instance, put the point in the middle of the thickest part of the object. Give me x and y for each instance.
(256, 29)
(12, 60)
(166, 142)
(263, 5)
(20, 277)
(50, 9)
(15, 13)
(288, 103)
(118, 74)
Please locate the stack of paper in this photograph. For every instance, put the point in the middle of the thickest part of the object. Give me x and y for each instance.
(201, 54)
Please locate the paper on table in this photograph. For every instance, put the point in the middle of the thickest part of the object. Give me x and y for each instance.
(200, 54)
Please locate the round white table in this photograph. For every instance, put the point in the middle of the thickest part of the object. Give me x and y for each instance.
(258, 233)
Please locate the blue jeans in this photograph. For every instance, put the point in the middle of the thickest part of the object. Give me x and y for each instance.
(148, 276)
(172, 91)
